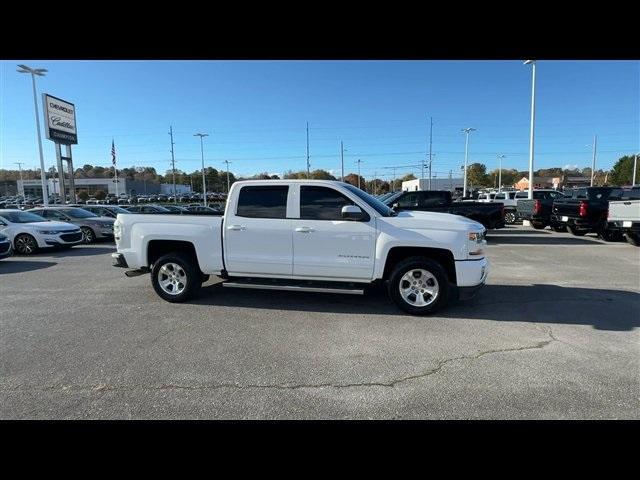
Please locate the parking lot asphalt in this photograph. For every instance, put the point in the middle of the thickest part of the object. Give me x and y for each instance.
(554, 335)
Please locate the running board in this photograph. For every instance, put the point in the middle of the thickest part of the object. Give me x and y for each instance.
(293, 288)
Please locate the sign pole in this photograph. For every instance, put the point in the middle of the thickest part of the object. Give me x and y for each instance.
(61, 180)
(72, 183)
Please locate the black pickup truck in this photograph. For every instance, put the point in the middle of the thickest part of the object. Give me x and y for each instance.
(586, 211)
(491, 215)
(538, 210)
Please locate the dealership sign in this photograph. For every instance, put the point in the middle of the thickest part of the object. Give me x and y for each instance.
(60, 120)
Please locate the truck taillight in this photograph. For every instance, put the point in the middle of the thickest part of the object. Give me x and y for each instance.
(536, 207)
(584, 209)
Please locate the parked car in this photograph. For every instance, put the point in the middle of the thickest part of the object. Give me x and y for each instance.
(538, 211)
(204, 210)
(148, 209)
(308, 235)
(29, 232)
(175, 208)
(5, 246)
(490, 215)
(586, 211)
(92, 226)
(624, 215)
(111, 211)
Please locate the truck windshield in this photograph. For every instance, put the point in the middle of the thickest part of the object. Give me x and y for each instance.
(374, 203)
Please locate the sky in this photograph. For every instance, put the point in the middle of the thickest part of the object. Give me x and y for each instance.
(256, 113)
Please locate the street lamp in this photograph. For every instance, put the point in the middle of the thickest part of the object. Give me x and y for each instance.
(39, 72)
(500, 157)
(593, 160)
(359, 162)
(533, 120)
(204, 187)
(467, 131)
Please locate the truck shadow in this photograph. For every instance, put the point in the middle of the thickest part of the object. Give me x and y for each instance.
(19, 266)
(614, 310)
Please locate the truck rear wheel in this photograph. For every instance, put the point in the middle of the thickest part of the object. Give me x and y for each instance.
(175, 277)
(419, 286)
(559, 228)
(510, 217)
(538, 226)
(576, 232)
(632, 238)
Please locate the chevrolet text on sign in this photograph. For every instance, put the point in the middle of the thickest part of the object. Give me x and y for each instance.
(61, 120)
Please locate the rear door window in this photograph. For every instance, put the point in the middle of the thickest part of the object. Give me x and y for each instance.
(263, 201)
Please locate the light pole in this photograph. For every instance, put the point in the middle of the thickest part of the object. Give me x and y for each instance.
(359, 162)
(533, 121)
(500, 157)
(342, 161)
(204, 186)
(39, 72)
(593, 160)
(467, 131)
(635, 166)
(21, 181)
(228, 187)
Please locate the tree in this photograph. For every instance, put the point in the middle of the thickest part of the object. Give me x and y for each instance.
(477, 176)
(509, 177)
(547, 172)
(100, 194)
(352, 178)
(622, 172)
(83, 195)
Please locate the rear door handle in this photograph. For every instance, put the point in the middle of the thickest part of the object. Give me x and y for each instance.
(305, 229)
(236, 227)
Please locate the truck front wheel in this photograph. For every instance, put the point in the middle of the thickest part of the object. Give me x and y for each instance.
(419, 286)
(175, 277)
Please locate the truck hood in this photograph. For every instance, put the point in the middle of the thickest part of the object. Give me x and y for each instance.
(410, 219)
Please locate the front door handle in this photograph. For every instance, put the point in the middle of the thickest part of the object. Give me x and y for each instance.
(305, 229)
(236, 227)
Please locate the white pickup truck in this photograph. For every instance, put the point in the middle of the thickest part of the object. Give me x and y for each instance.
(624, 215)
(308, 235)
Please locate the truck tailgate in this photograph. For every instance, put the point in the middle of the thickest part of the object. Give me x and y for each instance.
(566, 207)
(624, 210)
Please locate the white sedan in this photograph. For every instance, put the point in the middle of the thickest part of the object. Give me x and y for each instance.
(29, 232)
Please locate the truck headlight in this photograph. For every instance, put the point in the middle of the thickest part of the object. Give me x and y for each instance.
(476, 242)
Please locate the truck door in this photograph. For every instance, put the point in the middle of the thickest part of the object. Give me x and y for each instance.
(325, 244)
(257, 233)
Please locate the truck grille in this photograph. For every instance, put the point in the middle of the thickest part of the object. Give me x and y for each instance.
(71, 237)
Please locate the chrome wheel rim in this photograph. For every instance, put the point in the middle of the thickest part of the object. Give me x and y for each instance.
(172, 278)
(87, 235)
(25, 245)
(509, 217)
(419, 287)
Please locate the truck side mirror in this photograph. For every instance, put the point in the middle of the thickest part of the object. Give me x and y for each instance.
(352, 212)
(395, 206)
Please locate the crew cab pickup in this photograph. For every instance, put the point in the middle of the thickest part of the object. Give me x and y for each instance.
(586, 211)
(490, 215)
(538, 210)
(308, 235)
(624, 215)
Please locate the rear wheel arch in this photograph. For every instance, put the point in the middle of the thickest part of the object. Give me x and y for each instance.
(158, 248)
(398, 254)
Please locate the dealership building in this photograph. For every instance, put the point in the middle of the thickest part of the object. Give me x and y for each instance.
(107, 185)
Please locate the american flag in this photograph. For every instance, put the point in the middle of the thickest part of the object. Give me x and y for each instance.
(113, 152)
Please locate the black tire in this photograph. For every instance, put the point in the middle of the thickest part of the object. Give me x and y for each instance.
(25, 244)
(420, 263)
(510, 217)
(632, 239)
(538, 226)
(88, 235)
(576, 232)
(609, 235)
(192, 277)
(559, 228)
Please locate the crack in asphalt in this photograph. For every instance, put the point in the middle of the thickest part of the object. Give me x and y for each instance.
(103, 388)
